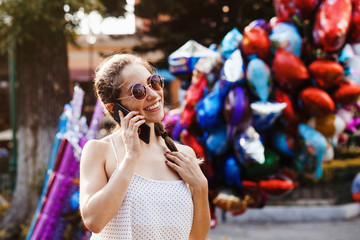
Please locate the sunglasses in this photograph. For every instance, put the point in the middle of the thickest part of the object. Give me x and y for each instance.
(138, 90)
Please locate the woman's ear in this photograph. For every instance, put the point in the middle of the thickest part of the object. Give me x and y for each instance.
(110, 107)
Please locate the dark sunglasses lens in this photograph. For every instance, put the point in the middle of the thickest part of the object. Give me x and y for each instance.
(139, 91)
(157, 83)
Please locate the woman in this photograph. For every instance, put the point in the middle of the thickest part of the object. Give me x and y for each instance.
(130, 189)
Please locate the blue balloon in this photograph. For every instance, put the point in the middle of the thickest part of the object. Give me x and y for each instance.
(265, 114)
(208, 110)
(249, 147)
(216, 142)
(315, 144)
(232, 172)
(355, 186)
(286, 36)
(258, 75)
(74, 200)
(231, 42)
(283, 143)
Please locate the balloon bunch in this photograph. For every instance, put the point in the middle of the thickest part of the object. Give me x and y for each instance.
(273, 103)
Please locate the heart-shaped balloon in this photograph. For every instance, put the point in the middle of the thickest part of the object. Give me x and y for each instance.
(332, 24)
(286, 36)
(327, 73)
(347, 93)
(237, 110)
(290, 71)
(354, 32)
(316, 102)
(289, 113)
(256, 41)
(258, 75)
(328, 125)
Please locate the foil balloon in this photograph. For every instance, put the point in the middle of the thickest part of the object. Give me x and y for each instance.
(327, 73)
(237, 110)
(171, 119)
(315, 144)
(232, 172)
(332, 23)
(290, 72)
(256, 41)
(352, 67)
(284, 143)
(289, 113)
(329, 153)
(270, 166)
(231, 42)
(316, 102)
(209, 109)
(354, 32)
(190, 140)
(185, 58)
(284, 9)
(258, 76)
(233, 67)
(329, 125)
(265, 114)
(305, 9)
(249, 147)
(74, 200)
(347, 93)
(216, 143)
(260, 23)
(278, 185)
(286, 36)
(355, 188)
(194, 93)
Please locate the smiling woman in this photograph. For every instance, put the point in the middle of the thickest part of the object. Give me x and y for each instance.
(132, 189)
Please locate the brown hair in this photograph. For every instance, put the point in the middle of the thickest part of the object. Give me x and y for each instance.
(107, 86)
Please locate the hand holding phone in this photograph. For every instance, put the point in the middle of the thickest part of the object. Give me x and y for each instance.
(144, 129)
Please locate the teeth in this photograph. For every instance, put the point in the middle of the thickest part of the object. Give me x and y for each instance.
(156, 105)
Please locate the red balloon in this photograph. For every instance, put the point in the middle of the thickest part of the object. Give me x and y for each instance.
(290, 71)
(190, 140)
(354, 32)
(332, 24)
(326, 73)
(256, 41)
(316, 102)
(288, 113)
(347, 93)
(284, 9)
(304, 9)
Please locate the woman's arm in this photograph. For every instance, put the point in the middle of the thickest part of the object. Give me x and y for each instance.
(186, 164)
(99, 199)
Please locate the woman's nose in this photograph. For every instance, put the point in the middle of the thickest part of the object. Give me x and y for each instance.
(151, 93)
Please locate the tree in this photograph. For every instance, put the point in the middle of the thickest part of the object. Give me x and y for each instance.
(175, 22)
(39, 30)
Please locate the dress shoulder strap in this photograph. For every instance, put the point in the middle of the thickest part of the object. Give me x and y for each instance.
(117, 160)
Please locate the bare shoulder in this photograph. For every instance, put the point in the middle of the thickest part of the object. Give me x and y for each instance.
(186, 149)
(95, 149)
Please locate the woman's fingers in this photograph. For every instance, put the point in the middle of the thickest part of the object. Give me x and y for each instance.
(125, 119)
(172, 165)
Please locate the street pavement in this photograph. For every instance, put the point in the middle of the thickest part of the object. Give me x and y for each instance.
(346, 229)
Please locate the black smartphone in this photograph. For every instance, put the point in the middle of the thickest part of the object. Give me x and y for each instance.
(144, 129)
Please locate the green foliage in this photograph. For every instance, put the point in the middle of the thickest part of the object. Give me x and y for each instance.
(24, 20)
(204, 21)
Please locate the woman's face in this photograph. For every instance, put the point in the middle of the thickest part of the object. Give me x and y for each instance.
(152, 105)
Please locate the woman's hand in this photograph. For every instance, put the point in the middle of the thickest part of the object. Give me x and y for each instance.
(129, 132)
(187, 167)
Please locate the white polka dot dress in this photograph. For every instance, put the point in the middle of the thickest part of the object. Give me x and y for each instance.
(152, 209)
